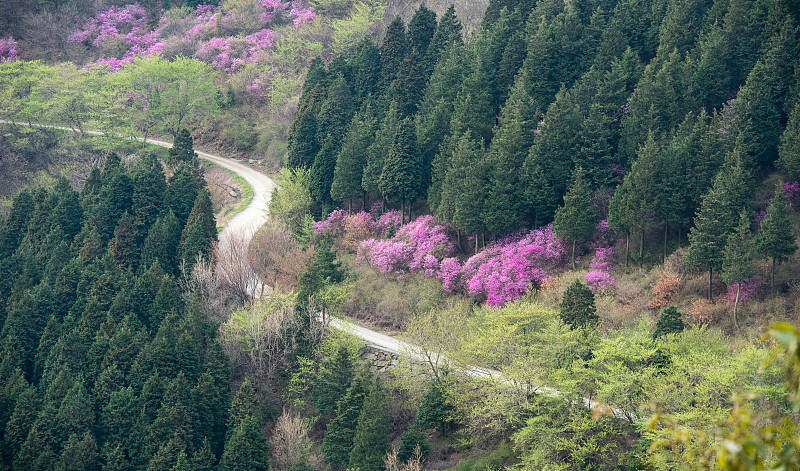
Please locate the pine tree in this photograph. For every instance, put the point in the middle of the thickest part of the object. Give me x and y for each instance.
(182, 193)
(322, 269)
(149, 190)
(162, 243)
(335, 113)
(338, 441)
(246, 449)
(670, 322)
(182, 150)
(412, 438)
(334, 378)
(377, 151)
(448, 31)
(68, 213)
(351, 160)
(737, 261)
(435, 409)
(393, 50)
(775, 238)
(400, 178)
(366, 64)
(302, 143)
(123, 246)
(790, 146)
(463, 187)
(710, 231)
(421, 28)
(576, 218)
(322, 174)
(371, 439)
(203, 211)
(577, 307)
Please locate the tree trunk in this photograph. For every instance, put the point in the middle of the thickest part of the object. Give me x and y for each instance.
(641, 248)
(364, 200)
(458, 237)
(736, 305)
(403, 212)
(627, 247)
(573, 254)
(665, 242)
(350, 207)
(476, 242)
(772, 278)
(710, 274)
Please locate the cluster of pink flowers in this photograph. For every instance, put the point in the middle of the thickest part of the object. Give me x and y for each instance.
(747, 287)
(334, 224)
(419, 245)
(230, 53)
(509, 268)
(626, 107)
(8, 50)
(122, 28)
(121, 34)
(599, 278)
(301, 16)
(792, 191)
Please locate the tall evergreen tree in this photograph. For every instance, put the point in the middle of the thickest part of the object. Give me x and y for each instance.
(334, 378)
(182, 150)
(351, 160)
(737, 259)
(421, 28)
(790, 146)
(400, 178)
(576, 218)
(182, 193)
(322, 174)
(377, 151)
(707, 237)
(338, 441)
(123, 247)
(393, 50)
(775, 238)
(371, 439)
(436, 409)
(149, 190)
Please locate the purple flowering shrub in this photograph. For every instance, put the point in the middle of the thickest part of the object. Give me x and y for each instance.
(119, 34)
(419, 245)
(9, 51)
(599, 278)
(791, 189)
(509, 268)
(748, 288)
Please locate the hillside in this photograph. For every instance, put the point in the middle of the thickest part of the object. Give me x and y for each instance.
(596, 201)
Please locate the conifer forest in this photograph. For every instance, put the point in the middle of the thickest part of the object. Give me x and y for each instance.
(393, 235)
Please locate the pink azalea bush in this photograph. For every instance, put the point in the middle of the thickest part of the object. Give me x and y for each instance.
(419, 245)
(748, 288)
(509, 268)
(119, 34)
(599, 278)
(9, 51)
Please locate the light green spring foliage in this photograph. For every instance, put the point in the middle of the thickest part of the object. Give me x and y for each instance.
(357, 25)
(291, 200)
(692, 374)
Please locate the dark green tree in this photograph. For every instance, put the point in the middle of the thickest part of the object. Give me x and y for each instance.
(448, 31)
(246, 449)
(371, 440)
(333, 380)
(123, 247)
(393, 50)
(775, 238)
(463, 187)
(402, 168)
(576, 218)
(338, 441)
(182, 150)
(79, 454)
(435, 409)
(67, 213)
(182, 193)
(577, 307)
(737, 259)
(412, 438)
(322, 269)
(351, 160)
(302, 143)
(322, 174)
(789, 150)
(377, 151)
(421, 28)
(669, 322)
(203, 211)
(162, 243)
(149, 190)
(707, 237)
(366, 66)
